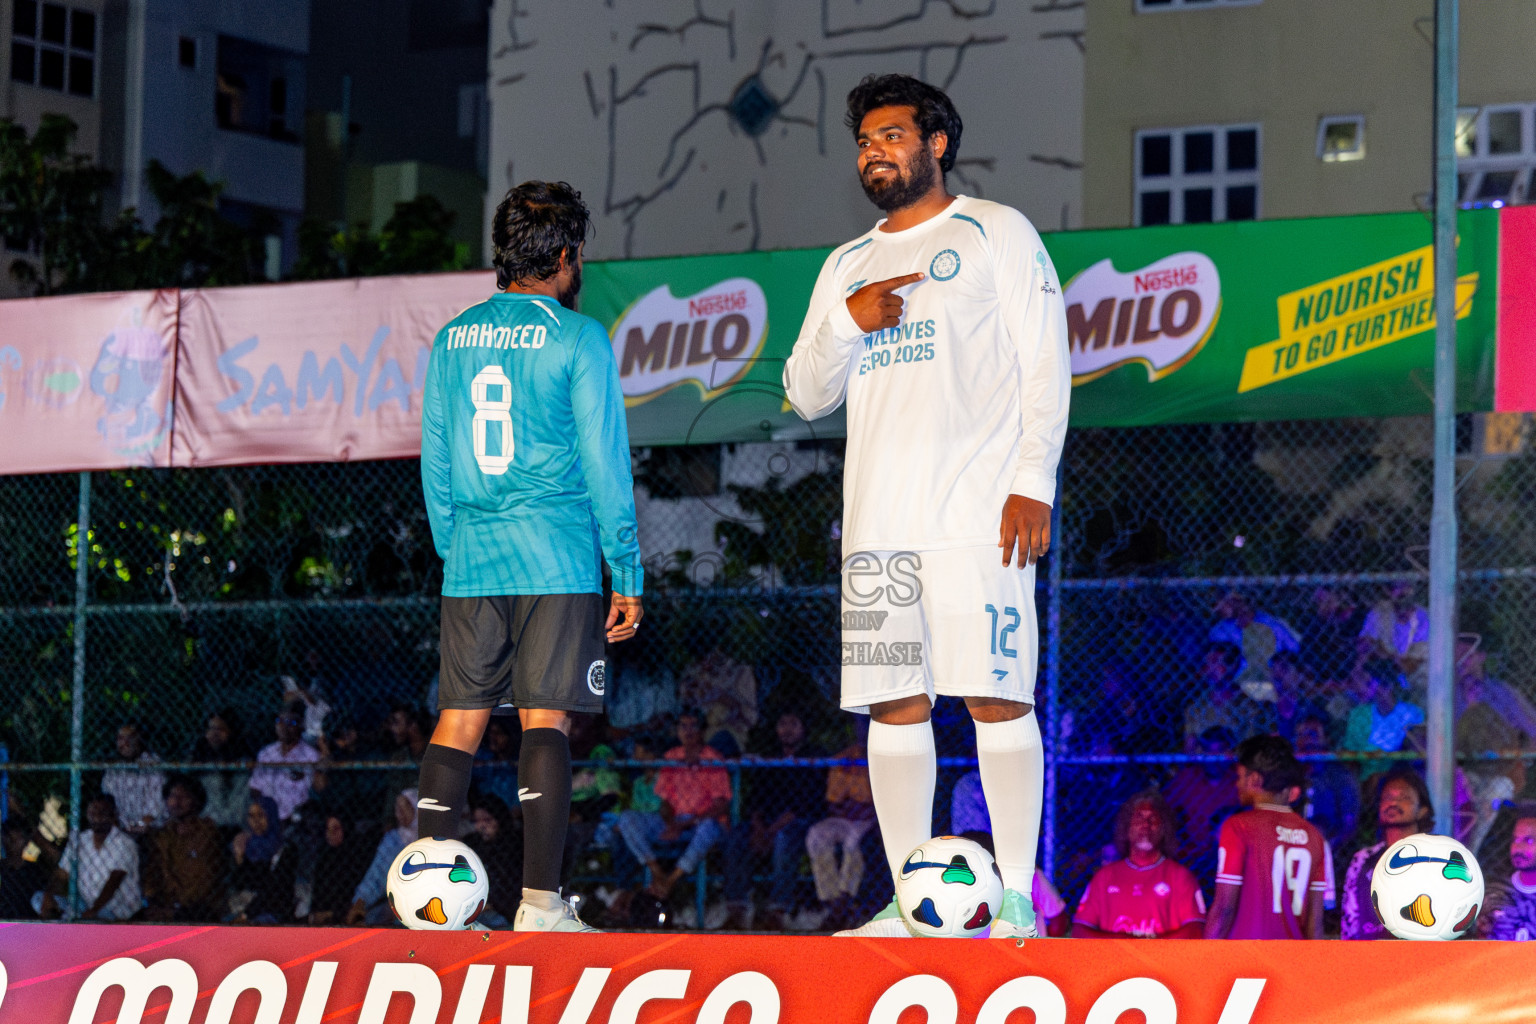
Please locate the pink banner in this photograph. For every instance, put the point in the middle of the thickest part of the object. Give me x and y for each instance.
(328, 371)
(86, 381)
(1515, 379)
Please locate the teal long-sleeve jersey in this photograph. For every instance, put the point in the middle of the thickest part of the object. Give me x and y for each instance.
(525, 453)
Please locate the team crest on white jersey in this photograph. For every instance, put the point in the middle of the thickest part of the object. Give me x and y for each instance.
(597, 677)
(1046, 285)
(945, 265)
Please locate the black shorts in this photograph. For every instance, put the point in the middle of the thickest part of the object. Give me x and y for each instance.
(528, 650)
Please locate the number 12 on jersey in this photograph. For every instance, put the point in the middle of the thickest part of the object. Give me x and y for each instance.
(490, 410)
(1000, 638)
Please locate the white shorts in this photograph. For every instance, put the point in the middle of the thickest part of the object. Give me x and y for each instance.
(955, 622)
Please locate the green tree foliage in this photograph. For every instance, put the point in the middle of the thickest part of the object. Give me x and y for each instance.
(52, 206)
(415, 240)
(796, 540)
(336, 558)
(192, 245)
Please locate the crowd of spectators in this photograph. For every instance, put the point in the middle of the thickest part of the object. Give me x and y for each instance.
(701, 768)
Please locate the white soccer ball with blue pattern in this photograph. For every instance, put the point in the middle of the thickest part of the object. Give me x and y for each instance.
(437, 885)
(1427, 887)
(949, 888)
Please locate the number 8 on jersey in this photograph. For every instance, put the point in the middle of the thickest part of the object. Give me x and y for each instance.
(490, 410)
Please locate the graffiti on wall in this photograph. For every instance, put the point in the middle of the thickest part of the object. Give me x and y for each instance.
(717, 126)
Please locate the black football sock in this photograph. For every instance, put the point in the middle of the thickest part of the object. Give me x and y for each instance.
(443, 791)
(544, 790)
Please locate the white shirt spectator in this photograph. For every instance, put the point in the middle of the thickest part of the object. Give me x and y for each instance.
(315, 706)
(118, 852)
(638, 696)
(288, 787)
(139, 803)
(1261, 639)
(1404, 634)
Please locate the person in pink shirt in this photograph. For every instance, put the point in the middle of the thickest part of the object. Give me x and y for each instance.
(1271, 863)
(694, 799)
(1144, 893)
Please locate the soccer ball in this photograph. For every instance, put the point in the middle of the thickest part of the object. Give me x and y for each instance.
(438, 885)
(949, 888)
(1427, 887)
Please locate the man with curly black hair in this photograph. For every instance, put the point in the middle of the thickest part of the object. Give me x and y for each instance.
(1403, 808)
(525, 465)
(943, 329)
(1273, 867)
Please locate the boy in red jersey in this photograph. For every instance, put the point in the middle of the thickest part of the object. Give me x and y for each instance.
(1271, 870)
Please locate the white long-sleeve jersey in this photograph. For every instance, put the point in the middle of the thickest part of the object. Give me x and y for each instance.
(963, 403)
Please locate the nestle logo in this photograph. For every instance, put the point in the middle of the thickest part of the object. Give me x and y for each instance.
(708, 338)
(714, 305)
(1159, 315)
(1173, 277)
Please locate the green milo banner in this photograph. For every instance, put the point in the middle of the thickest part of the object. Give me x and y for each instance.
(701, 343)
(1271, 320)
(1257, 320)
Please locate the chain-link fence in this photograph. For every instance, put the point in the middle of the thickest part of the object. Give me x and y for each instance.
(1219, 581)
(1208, 582)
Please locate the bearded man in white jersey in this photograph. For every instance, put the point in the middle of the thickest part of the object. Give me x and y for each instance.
(943, 329)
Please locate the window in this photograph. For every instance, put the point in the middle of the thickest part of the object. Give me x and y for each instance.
(1496, 154)
(1189, 5)
(1341, 138)
(257, 88)
(1197, 175)
(277, 106)
(54, 47)
(472, 111)
(447, 24)
(186, 52)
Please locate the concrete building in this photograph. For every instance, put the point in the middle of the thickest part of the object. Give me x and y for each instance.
(201, 85)
(198, 85)
(699, 126)
(50, 62)
(397, 110)
(1200, 110)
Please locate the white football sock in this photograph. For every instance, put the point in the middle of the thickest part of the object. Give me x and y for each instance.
(901, 779)
(1012, 762)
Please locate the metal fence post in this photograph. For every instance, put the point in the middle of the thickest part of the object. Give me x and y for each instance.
(77, 688)
(1442, 523)
(1052, 691)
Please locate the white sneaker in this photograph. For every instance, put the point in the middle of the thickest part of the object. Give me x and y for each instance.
(537, 919)
(888, 924)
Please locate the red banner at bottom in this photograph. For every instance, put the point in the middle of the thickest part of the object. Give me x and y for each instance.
(82, 974)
